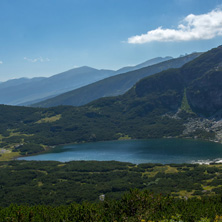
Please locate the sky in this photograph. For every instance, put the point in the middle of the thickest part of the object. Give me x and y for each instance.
(46, 37)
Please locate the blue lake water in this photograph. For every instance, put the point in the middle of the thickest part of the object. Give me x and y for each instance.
(137, 151)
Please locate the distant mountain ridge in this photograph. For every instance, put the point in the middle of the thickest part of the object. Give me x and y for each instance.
(144, 64)
(16, 82)
(115, 85)
(14, 92)
(24, 91)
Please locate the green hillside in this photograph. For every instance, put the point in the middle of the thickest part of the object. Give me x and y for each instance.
(151, 109)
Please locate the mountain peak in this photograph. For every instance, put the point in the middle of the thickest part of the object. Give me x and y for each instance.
(86, 68)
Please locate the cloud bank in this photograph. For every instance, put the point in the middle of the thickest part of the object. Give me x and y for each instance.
(192, 27)
(39, 59)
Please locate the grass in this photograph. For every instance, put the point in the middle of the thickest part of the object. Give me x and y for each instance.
(185, 193)
(9, 156)
(163, 169)
(217, 165)
(126, 137)
(185, 105)
(9, 147)
(40, 184)
(42, 171)
(171, 170)
(209, 181)
(123, 136)
(49, 119)
(209, 188)
(12, 133)
(61, 165)
(150, 173)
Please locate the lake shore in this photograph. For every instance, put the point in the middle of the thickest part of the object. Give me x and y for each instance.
(164, 151)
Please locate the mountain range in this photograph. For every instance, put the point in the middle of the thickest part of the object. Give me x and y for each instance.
(115, 85)
(14, 92)
(179, 102)
(25, 91)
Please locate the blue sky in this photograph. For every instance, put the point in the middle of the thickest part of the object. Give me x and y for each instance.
(46, 37)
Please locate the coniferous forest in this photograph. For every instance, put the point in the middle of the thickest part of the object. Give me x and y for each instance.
(55, 191)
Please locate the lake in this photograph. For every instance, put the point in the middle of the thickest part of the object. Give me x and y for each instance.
(137, 151)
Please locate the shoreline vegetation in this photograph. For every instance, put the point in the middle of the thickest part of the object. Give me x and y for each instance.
(7, 155)
(48, 148)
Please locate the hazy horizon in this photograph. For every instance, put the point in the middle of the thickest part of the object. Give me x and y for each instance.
(44, 38)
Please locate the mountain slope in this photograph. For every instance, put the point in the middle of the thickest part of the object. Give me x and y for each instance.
(144, 64)
(25, 91)
(201, 78)
(16, 82)
(112, 86)
(152, 108)
(31, 89)
(79, 82)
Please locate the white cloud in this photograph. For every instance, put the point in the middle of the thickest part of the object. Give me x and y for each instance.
(193, 27)
(1, 62)
(39, 59)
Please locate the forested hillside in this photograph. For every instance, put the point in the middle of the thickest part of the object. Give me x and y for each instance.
(56, 183)
(172, 103)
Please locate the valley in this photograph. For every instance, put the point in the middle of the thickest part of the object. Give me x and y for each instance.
(176, 103)
(111, 111)
(172, 103)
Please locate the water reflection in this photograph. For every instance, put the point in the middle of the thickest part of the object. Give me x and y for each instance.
(137, 151)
